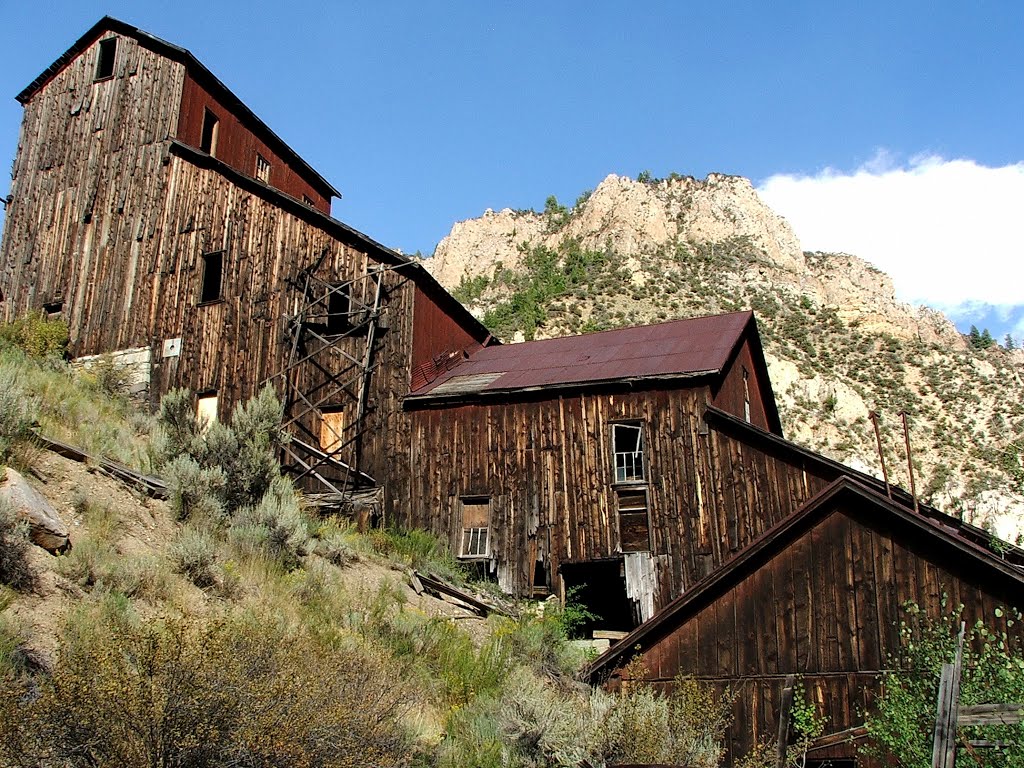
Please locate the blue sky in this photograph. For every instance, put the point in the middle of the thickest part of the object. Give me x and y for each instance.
(425, 113)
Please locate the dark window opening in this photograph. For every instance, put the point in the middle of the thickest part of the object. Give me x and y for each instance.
(634, 528)
(213, 270)
(831, 762)
(105, 60)
(600, 587)
(628, 451)
(476, 513)
(53, 308)
(339, 305)
(208, 139)
(308, 201)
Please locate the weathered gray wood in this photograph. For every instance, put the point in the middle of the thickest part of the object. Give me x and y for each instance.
(785, 712)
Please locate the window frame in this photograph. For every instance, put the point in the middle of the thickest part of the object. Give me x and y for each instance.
(470, 536)
(262, 172)
(633, 513)
(106, 60)
(208, 143)
(207, 396)
(205, 299)
(624, 475)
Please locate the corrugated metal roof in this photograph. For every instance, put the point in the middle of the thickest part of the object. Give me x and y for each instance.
(688, 347)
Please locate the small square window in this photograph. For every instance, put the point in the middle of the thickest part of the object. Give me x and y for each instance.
(628, 452)
(213, 271)
(308, 201)
(262, 168)
(208, 138)
(105, 58)
(476, 512)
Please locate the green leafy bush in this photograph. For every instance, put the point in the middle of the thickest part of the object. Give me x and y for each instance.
(36, 335)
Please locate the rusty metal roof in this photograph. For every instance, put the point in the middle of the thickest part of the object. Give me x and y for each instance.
(680, 348)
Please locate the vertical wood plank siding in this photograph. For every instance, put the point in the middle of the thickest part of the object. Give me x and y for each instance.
(237, 145)
(827, 606)
(87, 186)
(547, 465)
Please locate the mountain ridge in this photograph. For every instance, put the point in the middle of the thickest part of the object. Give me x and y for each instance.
(838, 342)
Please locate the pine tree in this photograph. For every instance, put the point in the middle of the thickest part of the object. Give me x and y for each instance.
(1008, 342)
(974, 337)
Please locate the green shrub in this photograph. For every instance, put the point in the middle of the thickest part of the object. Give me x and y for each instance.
(195, 491)
(231, 691)
(16, 417)
(275, 525)
(36, 335)
(15, 569)
(194, 554)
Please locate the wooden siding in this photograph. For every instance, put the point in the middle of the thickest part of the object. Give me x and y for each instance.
(547, 466)
(826, 605)
(437, 331)
(87, 184)
(237, 145)
(729, 394)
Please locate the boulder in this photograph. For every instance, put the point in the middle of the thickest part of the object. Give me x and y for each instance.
(46, 529)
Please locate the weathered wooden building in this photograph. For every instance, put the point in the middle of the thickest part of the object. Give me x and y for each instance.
(820, 595)
(644, 466)
(170, 226)
(586, 460)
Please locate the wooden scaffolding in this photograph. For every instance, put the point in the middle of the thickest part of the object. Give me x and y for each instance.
(330, 335)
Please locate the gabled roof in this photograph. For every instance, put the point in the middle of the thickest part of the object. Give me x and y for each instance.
(832, 469)
(777, 538)
(689, 348)
(200, 73)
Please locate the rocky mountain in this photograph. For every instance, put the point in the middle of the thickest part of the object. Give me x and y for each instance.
(838, 342)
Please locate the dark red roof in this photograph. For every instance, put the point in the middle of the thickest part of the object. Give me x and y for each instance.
(681, 348)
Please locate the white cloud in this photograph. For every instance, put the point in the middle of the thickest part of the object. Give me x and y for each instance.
(947, 231)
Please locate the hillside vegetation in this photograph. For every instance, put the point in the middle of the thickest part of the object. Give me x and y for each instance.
(838, 343)
(229, 626)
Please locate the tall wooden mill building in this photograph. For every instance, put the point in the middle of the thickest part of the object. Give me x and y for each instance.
(170, 227)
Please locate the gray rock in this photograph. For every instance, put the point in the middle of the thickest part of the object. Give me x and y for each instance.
(46, 529)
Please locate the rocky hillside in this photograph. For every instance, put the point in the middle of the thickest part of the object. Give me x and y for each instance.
(839, 344)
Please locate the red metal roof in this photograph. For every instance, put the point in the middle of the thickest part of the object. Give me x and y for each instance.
(700, 345)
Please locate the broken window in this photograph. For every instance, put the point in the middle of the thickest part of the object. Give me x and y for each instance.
(213, 270)
(206, 409)
(339, 305)
(634, 529)
(476, 512)
(105, 59)
(332, 427)
(628, 450)
(208, 138)
(262, 168)
(308, 201)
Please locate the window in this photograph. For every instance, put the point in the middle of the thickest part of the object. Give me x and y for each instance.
(747, 394)
(339, 305)
(208, 138)
(262, 168)
(634, 529)
(206, 410)
(308, 201)
(628, 450)
(105, 58)
(213, 268)
(332, 427)
(475, 520)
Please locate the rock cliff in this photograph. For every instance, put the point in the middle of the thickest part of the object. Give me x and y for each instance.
(839, 343)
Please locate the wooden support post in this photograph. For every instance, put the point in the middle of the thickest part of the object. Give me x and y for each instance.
(785, 712)
(947, 709)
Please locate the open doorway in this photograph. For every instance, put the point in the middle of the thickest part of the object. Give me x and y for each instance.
(600, 587)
